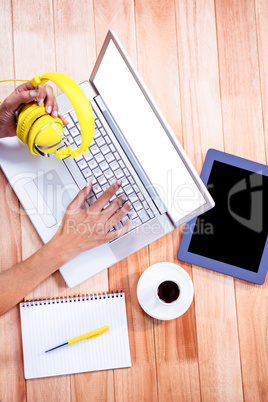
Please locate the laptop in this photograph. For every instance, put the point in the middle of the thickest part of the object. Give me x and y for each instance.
(132, 142)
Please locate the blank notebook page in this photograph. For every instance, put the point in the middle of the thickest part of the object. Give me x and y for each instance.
(49, 323)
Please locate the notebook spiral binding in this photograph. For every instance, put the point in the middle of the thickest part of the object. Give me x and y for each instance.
(71, 298)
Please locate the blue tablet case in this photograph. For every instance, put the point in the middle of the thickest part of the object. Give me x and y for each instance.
(238, 246)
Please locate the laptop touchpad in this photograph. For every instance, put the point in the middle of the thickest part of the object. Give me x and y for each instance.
(49, 196)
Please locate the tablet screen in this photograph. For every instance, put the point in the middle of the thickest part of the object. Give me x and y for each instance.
(235, 230)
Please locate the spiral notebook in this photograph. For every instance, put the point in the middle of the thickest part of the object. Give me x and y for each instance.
(51, 322)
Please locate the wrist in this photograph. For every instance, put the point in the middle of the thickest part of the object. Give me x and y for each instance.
(58, 249)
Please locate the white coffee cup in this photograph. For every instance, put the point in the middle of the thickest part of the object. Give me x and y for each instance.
(165, 291)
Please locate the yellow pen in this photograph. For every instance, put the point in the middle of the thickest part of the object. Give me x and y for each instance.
(89, 335)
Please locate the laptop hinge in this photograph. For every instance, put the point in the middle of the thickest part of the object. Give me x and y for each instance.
(131, 155)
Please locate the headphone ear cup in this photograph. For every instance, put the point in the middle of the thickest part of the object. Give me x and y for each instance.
(28, 114)
(33, 122)
(46, 132)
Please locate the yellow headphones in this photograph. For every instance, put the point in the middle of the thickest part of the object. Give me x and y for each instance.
(42, 132)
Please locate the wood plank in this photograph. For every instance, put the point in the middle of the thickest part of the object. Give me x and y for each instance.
(260, 374)
(139, 382)
(175, 341)
(261, 9)
(10, 237)
(33, 25)
(244, 135)
(218, 353)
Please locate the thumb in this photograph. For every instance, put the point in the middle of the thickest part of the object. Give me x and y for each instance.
(81, 197)
(17, 98)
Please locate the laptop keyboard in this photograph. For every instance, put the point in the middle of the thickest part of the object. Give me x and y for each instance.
(103, 165)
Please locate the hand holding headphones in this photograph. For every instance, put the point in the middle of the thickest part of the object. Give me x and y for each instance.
(42, 132)
(23, 94)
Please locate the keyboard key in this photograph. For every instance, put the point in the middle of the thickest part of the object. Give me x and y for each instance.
(126, 172)
(104, 165)
(78, 158)
(74, 117)
(132, 214)
(133, 198)
(119, 173)
(100, 141)
(108, 174)
(131, 180)
(150, 213)
(135, 222)
(119, 191)
(105, 149)
(98, 123)
(135, 188)
(94, 149)
(82, 164)
(112, 147)
(86, 172)
(92, 164)
(78, 140)
(124, 181)
(96, 133)
(137, 206)
(109, 157)
(103, 131)
(92, 179)
(143, 215)
(88, 156)
(114, 165)
(96, 188)
(99, 157)
(112, 180)
(128, 190)
(74, 131)
(108, 139)
(121, 163)
(102, 180)
(140, 195)
(145, 205)
(97, 172)
(117, 156)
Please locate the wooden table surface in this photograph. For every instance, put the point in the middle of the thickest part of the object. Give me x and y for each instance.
(206, 64)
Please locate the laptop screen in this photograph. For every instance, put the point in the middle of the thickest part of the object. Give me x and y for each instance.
(145, 135)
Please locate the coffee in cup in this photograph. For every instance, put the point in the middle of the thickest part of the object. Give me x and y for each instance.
(168, 291)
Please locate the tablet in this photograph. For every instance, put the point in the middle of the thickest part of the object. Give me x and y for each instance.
(231, 238)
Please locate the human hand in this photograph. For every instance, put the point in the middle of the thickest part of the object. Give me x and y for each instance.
(23, 94)
(83, 229)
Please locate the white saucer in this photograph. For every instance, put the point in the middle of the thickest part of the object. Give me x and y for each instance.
(148, 283)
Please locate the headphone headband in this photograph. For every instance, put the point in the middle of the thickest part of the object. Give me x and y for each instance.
(81, 106)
